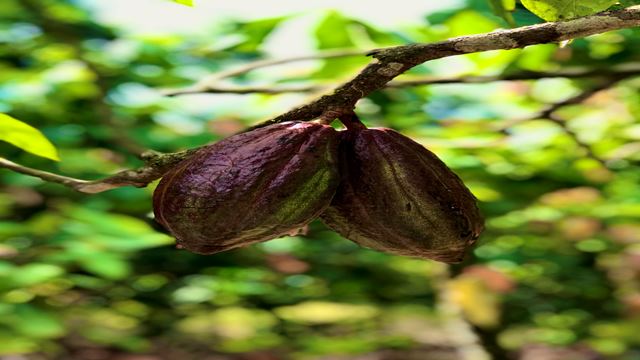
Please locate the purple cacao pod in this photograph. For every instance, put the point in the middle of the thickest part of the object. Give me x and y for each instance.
(398, 197)
(250, 187)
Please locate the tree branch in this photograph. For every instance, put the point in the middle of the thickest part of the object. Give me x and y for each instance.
(73, 183)
(391, 62)
(387, 64)
(156, 164)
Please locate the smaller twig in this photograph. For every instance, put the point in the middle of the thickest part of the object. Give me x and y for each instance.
(628, 69)
(44, 175)
(240, 90)
(550, 113)
(581, 97)
(156, 164)
(242, 69)
(576, 138)
(211, 81)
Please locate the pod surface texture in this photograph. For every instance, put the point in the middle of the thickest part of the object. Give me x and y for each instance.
(250, 187)
(398, 197)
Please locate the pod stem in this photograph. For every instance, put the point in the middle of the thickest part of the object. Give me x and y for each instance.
(351, 121)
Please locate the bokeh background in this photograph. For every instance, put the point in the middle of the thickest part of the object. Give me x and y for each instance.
(556, 275)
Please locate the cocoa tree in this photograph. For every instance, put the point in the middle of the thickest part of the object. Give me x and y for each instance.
(557, 184)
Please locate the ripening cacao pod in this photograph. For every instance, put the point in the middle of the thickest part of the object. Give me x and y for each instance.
(398, 197)
(250, 187)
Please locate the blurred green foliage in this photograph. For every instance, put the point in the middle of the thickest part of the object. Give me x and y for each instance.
(556, 272)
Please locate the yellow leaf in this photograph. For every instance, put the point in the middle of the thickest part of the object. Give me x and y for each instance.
(184, 2)
(26, 137)
(479, 305)
(324, 312)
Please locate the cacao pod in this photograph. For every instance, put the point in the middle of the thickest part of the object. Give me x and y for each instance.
(398, 197)
(250, 187)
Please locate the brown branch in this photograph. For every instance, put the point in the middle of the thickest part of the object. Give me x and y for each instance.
(391, 62)
(628, 69)
(387, 64)
(73, 183)
(156, 165)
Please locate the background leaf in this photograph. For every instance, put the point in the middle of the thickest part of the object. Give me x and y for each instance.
(336, 31)
(26, 137)
(553, 10)
(184, 2)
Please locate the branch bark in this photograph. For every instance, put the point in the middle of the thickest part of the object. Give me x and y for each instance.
(387, 64)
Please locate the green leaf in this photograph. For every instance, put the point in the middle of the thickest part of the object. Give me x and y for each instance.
(113, 231)
(26, 137)
(184, 2)
(37, 323)
(106, 265)
(255, 32)
(11, 344)
(553, 10)
(333, 33)
(34, 273)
